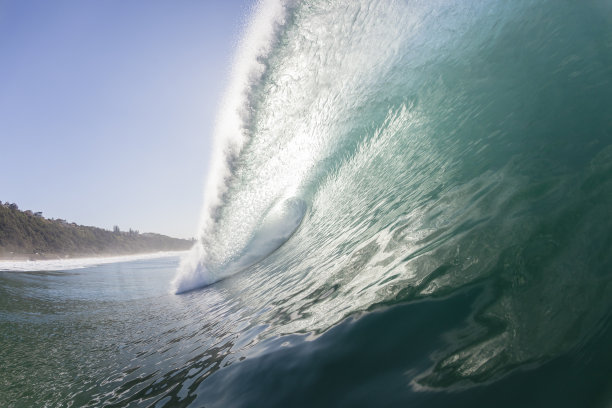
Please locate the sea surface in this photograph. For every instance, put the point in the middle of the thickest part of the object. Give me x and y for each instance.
(409, 204)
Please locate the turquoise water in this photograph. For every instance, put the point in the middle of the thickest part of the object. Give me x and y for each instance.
(410, 205)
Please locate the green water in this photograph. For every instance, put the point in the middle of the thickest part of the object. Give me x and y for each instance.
(411, 206)
(111, 335)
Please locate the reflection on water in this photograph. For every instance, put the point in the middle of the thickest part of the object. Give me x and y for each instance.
(69, 339)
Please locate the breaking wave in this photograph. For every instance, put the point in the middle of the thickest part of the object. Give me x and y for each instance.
(373, 153)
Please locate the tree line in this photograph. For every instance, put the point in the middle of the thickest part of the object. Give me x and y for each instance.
(29, 233)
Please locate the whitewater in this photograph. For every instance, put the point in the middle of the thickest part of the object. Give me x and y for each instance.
(409, 204)
(66, 264)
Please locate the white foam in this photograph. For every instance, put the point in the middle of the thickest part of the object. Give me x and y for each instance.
(231, 129)
(277, 227)
(79, 263)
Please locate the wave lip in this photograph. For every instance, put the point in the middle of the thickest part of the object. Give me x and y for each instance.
(278, 225)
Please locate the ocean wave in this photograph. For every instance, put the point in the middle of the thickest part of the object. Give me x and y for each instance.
(435, 147)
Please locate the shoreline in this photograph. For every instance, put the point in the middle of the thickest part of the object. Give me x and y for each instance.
(25, 257)
(18, 264)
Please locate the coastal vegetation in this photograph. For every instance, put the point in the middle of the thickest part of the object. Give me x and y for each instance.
(27, 234)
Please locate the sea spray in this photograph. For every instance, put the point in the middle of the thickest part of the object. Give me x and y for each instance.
(232, 131)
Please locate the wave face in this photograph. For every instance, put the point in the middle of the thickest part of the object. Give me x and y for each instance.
(375, 153)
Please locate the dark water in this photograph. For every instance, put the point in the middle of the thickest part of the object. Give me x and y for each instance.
(438, 177)
(110, 335)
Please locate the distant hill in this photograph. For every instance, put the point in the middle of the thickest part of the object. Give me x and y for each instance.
(28, 235)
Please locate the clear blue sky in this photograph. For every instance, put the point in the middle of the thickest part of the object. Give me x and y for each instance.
(107, 107)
